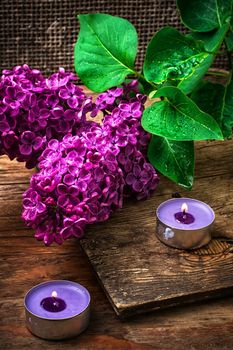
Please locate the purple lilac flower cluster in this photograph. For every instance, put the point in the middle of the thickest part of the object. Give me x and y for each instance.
(122, 129)
(79, 182)
(35, 109)
(83, 178)
(85, 168)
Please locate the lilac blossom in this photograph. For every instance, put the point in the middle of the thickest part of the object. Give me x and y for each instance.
(76, 185)
(35, 109)
(123, 131)
(85, 169)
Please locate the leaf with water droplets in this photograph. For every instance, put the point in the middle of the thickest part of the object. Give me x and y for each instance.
(211, 41)
(187, 85)
(105, 51)
(178, 118)
(173, 159)
(172, 55)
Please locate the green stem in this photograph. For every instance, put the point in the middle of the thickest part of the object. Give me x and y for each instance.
(229, 57)
(141, 76)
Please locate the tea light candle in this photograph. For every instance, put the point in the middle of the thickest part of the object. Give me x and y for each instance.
(57, 309)
(184, 223)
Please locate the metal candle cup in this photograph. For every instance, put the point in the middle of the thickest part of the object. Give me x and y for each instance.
(181, 235)
(67, 323)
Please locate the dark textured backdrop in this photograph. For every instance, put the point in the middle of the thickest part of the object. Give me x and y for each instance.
(42, 33)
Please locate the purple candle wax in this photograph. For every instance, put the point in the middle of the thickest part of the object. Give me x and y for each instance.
(202, 213)
(53, 303)
(183, 216)
(72, 299)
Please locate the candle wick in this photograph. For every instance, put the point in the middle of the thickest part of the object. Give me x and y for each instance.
(55, 303)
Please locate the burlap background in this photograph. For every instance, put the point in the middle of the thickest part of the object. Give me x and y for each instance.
(42, 33)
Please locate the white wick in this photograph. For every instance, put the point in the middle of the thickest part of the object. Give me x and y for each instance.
(54, 294)
(184, 208)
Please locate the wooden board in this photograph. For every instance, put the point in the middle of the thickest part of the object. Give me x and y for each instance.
(25, 262)
(139, 273)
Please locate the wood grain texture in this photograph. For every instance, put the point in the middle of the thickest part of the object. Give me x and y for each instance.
(141, 274)
(25, 262)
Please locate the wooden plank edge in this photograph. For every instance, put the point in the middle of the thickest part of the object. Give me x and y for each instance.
(128, 312)
(178, 301)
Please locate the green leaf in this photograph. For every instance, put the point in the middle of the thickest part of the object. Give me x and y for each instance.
(171, 55)
(204, 15)
(105, 51)
(211, 40)
(229, 36)
(217, 100)
(209, 98)
(229, 40)
(178, 118)
(227, 123)
(187, 85)
(173, 159)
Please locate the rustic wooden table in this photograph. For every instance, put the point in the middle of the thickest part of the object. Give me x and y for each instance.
(25, 262)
